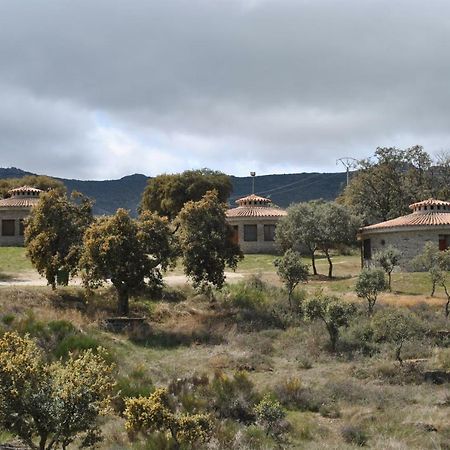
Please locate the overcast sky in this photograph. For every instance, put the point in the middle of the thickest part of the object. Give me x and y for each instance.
(97, 89)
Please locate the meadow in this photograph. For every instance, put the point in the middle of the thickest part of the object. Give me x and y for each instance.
(358, 396)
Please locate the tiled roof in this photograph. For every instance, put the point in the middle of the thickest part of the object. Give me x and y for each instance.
(25, 189)
(21, 202)
(429, 202)
(414, 220)
(256, 211)
(252, 198)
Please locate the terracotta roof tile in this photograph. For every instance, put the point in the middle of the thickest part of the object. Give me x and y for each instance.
(414, 220)
(25, 202)
(256, 211)
(429, 202)
(25, 189)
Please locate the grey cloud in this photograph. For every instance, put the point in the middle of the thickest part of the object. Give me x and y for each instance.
(281, 84)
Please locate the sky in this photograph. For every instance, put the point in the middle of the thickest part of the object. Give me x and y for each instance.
(97, 89)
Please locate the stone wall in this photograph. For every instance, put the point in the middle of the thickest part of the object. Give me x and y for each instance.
(259, 246)
(410, 243)
(16, 214)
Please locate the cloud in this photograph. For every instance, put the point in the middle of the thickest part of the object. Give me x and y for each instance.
(102, 88)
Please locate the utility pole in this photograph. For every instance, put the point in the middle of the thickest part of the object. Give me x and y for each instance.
(253, 175)
(348, 162)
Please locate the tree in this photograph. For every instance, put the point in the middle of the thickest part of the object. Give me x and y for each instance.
(158, 413)
(48, 406)
(53, 235)
(131, 253)
(167, 194)
(397, 326)
(437, 264)
(334, 226)
(388, 259)
(429, 261)
(298, 230)
(291, 270)
(205, 241)
(316, 225)
(332, 311)
(369, 284)
(37, 181)
(382, 189)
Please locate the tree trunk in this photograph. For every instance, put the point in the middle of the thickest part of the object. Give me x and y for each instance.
(389, 281)
(371, 306)
(334, 335)
(330, 264)
(42, 442)
(123, 303)
(313, 262)
(447, 305)
(397, 353)
(433, 288)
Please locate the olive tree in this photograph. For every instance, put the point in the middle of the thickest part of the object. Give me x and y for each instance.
(396, 326)
(53, 235)
(332, 311)
(205, 241)
(130, 253)
(335, 226)
(388, 259)
(316, 225)
(369, 284)
(291, 270)
(48, 406)
(159, 413)
(298, 230)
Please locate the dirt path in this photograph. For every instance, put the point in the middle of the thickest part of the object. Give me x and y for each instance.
(32, 278)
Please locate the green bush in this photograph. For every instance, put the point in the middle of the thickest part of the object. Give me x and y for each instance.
(354, 435)
(270, 414)
(74, 344)
(234, 397)
(8, 319)
(293, 395)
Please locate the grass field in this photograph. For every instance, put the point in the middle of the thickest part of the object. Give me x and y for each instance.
(13, 261)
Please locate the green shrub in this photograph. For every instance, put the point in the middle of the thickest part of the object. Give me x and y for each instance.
(61, 328)
(8, 319)
(354, 435)
(269, 414)
(292, 394)
(234, 397)
(74, 344)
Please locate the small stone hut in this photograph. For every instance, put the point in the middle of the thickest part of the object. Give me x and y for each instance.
(13, 211)
(428, 222)
(254, 222)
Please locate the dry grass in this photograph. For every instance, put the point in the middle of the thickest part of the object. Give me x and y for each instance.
(190, 336)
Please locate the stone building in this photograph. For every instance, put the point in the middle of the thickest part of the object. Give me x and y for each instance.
(254, 222)
(428, 222)
(13, 211)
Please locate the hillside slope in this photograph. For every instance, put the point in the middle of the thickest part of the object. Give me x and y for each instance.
(282, 189)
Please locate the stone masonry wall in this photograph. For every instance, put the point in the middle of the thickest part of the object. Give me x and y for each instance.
(259, 246)
(15, 214)
(410, 243)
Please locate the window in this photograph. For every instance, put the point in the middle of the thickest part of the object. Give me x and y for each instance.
(250, 233)
(8, 227)
(269, 232)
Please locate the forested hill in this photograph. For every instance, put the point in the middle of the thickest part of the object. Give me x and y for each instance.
(282, 189)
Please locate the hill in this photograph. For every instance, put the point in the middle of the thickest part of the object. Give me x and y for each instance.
(126, 192)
